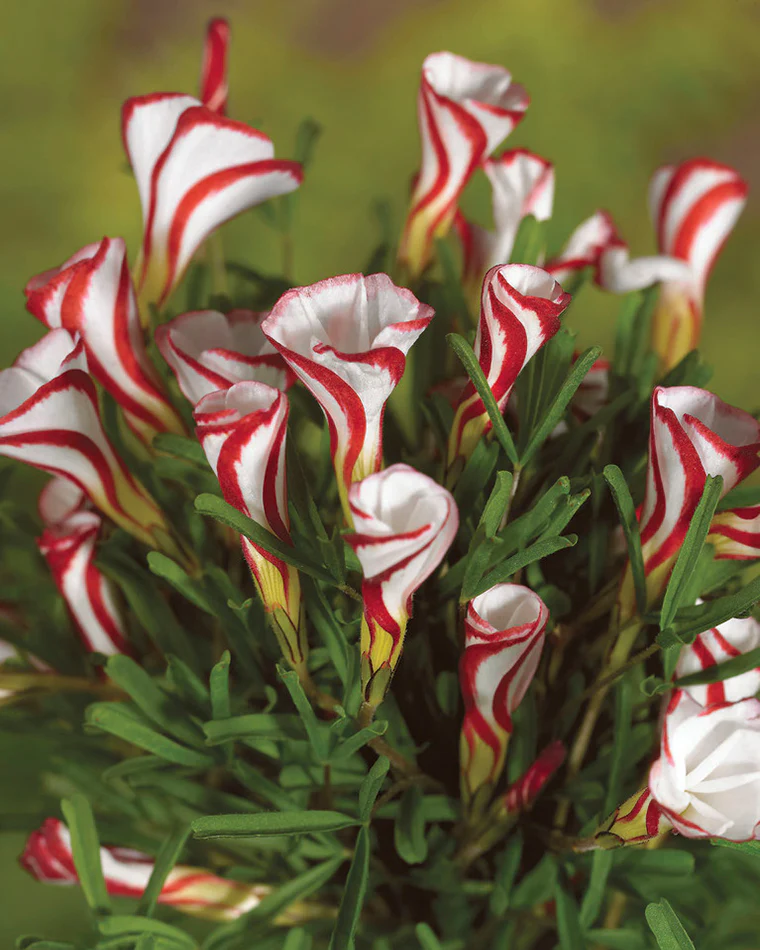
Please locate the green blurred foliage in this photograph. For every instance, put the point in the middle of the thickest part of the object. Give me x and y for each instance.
(618, 87)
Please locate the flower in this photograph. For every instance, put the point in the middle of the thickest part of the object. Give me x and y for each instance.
(208, 350)
(92, 294)
(48, 857)
(707, 778)
(519, 312)
(49, 419)
(465, 110)
(243, 431)
(583, 248)
(214, 88)
(68, 545)
(735, 533)
(346, 338)
(194, 170)
(504, 637)
(405, 523)
(724, 642)
(637, 820)
(522, 793)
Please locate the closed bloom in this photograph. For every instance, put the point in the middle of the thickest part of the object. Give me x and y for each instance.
(637, 820)
(465, 110)
(583, 249)
(214, 87)
(92, 294)
(347, 338)
(405, 523)
(194, 170)
(504, 637)
(243, 431)
(713, 647)
(208, 350)
(522, 793)
(48, 858)
(519, 312)
(707, 778)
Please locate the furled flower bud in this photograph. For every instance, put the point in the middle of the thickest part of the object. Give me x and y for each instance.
(713, 647)
(48, 857)
(405, 523)
(92, 294)
(707, 779)
(504, 637)
(347, 338)
(49, 419)
(214, 86)
(465, 110)
(583, 248)
(208, 351)
(521, 794)
(194, 170)
(519, 312)
(243, 431)
(68, 545)
(638, 820)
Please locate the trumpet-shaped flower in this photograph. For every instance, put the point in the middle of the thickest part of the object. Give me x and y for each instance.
(584, 248)
(465, 110)
(347, 338)
(713, 647)
(405, 523)
(214, 87)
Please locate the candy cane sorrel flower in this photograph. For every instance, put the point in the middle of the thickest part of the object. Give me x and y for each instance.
(583, 248)
(465, 110)
(519, 312)
(48, 857)
(208, 351)
(347, 338)
(214, 88)
(504, 637)
(735, 533)
(405, 523)
(243, 431)
(725, 642)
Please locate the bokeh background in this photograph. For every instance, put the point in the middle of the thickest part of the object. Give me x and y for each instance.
(618, 87)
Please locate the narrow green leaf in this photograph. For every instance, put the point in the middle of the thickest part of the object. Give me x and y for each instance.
(497, 503)
(569, 927)
(315, 730)
(353, 895)
(617, 939)
(529, 241)
(691, 621)
(747, 847)
(254, 726)
(219, 687)
(297, 939)
(296, 889)
(112, 718)
(85, 848)
(668, 930)
(268, 823)
(505, 570)
(181, 446)
(370, 788)
(627, 514)
(307, 135)
(166, 858)
(358, 740)
(593, 899)
(506, 872)
(538, 885)
(409, 829)
(426, 937)
(127, 924)
(722, 671)
(168, 570)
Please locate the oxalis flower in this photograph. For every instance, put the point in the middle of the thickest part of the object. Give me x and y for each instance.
(405, 523)
(48, 857)
(208, 351)
(49, 419)
(735, 533)
(92, 294)
(523, 792)
(214, 88)
(713, 647)
(243, 431)
(346, 338)
(583, 248)
(519, 312)
(465, 110)
(504, 637)
(693, 434)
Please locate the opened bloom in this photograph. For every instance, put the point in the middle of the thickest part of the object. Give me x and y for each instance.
(92, 294)
(519, 312)
(347, 338)
(583, 248)
(214, 88)
(504, 637)
(48, 857)
(243, 431)
(465, 110)
(405, 523)
(208, 350)
(713, 647)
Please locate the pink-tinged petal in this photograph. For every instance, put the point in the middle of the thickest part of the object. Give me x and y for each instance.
(520, 309)
(465, 110)
(584, 247)
(208, 350)
(735, 534)
(214, 87)
(713, 647)
(504, 637)
(405, 523)
(522, 793)
(346, 338)
(621, 275)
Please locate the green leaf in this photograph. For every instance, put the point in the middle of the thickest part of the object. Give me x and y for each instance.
(219, 687)
(298, 939)
(497, 504)
(269, 823)
(409, 829)
(470, 362)
(667, 928)
(253, 726)
(166, 858)
(627, 513)
(315, 730)
(426, 937)
(297, 889)
(451, 277)
(507, 867)
(722, 671)
(168, 570)
(529, 241)
(370, 788)
(617, 939)
(571, 936)
(85, 848)
(505, 570)
(182, 447)
(358, 740)
(307, 135)
(747, 847)
(353, 895)
(125, 924)
(691, 621)
(593, 899)
(538, 885)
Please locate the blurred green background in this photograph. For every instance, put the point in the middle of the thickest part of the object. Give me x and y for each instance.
(618, 87)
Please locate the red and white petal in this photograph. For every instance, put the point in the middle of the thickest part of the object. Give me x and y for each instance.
(713, 647)
(522, 793)
(621, 275)
(58, 500)
(214, 88)
(583, 247)
(735, 533)
(45, 292)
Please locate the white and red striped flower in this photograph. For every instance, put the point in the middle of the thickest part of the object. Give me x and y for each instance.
(208, 350)
(48, 857)
(68, 545)
(693, 434)
(92, 294)
(49, 418)
(465, 110)
(707, 778)
(637, 820)
(347, 338)
(504, 636)
(194, 170)
(735, 533)
(243, 432)
(214, 87)
(584, 247)
(525, 790)
(713, 647)
(405, 523)
(519, 312)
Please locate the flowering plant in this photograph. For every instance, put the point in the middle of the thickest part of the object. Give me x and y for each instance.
(465, 659)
